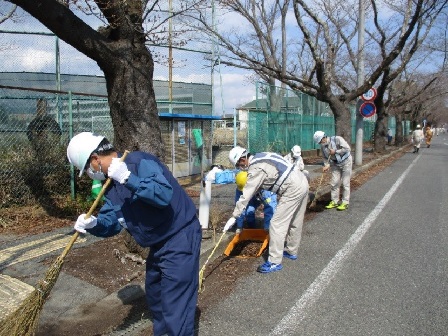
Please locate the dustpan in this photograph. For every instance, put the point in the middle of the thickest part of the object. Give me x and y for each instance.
(249, 235)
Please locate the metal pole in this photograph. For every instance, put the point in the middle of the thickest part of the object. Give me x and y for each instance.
(359, 118)
(234, 127)
(213, 61)
(170, 57)
(70, 135)
(58, 83)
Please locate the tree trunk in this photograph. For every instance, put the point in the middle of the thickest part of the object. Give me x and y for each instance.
(275, 96)
(132, 101)
(342, 119)
(399, 139)
(379, 145)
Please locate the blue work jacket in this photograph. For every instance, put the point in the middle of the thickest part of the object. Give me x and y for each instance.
(151, 204)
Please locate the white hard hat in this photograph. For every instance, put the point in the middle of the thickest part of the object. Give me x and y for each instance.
(418, 126)
(296, 151)
(80, 147)
(235, 154)
(318, 135)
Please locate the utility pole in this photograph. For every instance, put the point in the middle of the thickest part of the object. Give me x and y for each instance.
(360, 80)
(170, 57)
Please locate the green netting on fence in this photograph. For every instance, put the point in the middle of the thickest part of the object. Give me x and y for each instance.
(278, 131)
(280, 118)
(257, 132)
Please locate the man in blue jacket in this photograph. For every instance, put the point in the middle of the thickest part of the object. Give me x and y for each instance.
(145, 199)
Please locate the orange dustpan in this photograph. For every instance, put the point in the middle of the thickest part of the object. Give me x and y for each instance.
(249, 235)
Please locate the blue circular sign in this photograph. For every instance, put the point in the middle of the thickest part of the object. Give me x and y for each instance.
(367, 109)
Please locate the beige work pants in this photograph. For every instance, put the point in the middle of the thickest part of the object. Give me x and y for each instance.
(285, 231)
(341, 174)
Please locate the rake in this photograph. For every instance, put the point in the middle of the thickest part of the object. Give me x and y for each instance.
(23, 321)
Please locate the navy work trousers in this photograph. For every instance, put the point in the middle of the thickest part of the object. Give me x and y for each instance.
(172, 280)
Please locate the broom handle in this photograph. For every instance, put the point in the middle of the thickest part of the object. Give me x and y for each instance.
(91, 210)
(318, 186)
(213, 251)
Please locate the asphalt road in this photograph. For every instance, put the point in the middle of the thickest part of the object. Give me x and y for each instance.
(380, 268)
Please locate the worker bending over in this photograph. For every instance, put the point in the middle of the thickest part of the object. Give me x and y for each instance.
(270, 171)
(265, 197)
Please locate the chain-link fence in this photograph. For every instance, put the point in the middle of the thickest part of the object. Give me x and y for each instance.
(33, 138)
(280, 118)
(50, 91)
(36, 126)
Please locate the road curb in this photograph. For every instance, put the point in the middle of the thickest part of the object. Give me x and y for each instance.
(327, 188)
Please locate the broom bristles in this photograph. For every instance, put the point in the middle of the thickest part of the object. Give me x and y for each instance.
(24, 320)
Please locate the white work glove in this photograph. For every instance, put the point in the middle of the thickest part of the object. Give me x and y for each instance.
(118, 170)
(229, 224)
(85, 223)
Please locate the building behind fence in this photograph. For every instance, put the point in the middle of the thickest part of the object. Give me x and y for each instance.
(40, 123)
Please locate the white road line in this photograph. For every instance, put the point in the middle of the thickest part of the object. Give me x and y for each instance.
(289, 323)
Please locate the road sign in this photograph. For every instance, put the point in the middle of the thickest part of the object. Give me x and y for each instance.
(369, 95)
(367, 109)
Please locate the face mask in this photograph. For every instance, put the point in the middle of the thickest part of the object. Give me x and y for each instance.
(96, 175)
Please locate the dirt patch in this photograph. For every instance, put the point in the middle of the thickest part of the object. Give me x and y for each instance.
(104, 264)
(29, 220)
(246, 248)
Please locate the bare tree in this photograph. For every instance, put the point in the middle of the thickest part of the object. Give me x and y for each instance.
(411, 59)
(320, 47)
(119, 48)
(417, 96)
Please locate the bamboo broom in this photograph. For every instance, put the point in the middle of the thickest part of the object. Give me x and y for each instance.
(23, 321)
(312, 206)
(201, 272)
